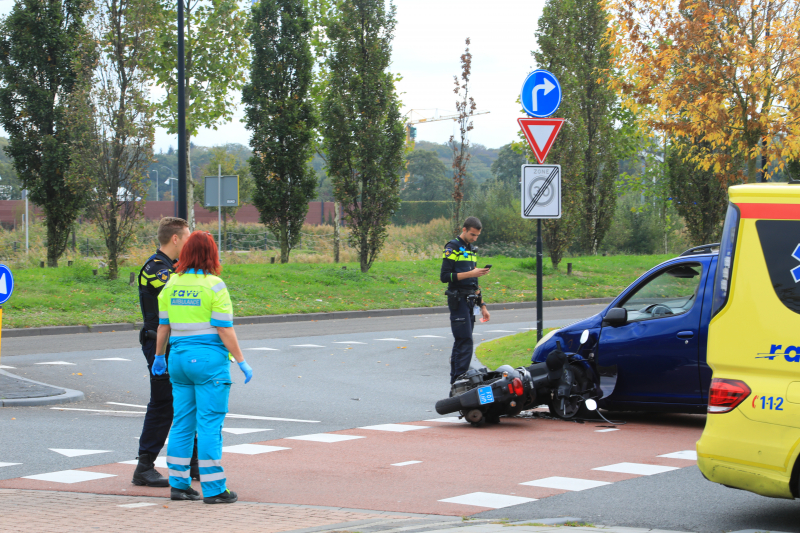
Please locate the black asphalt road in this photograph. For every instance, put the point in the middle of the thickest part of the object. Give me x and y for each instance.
(330, 387)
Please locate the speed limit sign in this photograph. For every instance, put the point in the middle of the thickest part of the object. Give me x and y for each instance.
(541, 191)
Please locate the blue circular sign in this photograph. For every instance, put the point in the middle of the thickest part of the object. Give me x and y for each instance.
(541, 94)
(6, 283)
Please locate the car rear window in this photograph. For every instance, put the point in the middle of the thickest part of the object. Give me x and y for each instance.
(727, 245)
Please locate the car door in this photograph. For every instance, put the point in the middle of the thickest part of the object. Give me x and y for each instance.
(657, 350)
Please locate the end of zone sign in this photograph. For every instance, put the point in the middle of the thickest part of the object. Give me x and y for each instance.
(541, 191)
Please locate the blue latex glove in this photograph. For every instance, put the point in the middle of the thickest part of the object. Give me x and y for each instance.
(160, 365)
(248, 372)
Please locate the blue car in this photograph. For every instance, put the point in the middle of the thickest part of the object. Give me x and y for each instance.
(648, 346)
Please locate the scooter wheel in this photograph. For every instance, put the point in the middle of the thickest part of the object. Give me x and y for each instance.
(569, 412)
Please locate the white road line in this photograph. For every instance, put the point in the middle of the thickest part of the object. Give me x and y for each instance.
(229, 415)
(429, 337)
(264, 349)
(160, 462)
(498, 331)
(252, 449)
(325, 437)
(111, 359)
(307, 346)
(348, 342)
(487, 499)
(8, 367)
(136, 505)
(565, 483)
(9, 464)
(606, 430)
(638, 469)
(252, 417)
(56, 363)
(77, 453)
(406, 463)
(392, 339)
(394, 428)
(686, 455)
(243, 431)
(448, 419)
(96, 410)
(69, 476)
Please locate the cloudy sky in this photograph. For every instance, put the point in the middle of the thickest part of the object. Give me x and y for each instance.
(428, 44)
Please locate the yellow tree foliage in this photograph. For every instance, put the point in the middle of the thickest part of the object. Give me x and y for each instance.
(723, 73)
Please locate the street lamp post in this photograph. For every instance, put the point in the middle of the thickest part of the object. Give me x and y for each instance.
(182, 206)
(172, 193)
(156, 171)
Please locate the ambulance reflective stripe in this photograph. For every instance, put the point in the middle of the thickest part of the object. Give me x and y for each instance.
(219, 286)
(183, 461)
(190, 326)
(177, 473)
(203, 463)
(228, 317)
(163, 315)
(205, 478)
(189, 333)
(179, 467)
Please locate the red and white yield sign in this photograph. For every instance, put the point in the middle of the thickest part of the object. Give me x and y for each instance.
(540, 132)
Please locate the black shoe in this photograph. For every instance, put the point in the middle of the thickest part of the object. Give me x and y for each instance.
(184, 494)
(146, 473)
(226, 497)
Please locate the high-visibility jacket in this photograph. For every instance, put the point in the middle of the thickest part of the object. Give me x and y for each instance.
(459, 256)
(195, 305)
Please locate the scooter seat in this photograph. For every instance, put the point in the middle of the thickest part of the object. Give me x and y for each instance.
(537, 369)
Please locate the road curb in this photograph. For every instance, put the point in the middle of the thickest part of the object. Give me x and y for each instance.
(302, 317)
(69, 396)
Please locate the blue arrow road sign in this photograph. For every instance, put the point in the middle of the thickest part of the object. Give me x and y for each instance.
(541, 94)
(6, 283)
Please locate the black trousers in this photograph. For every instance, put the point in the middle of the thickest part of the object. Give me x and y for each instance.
(462, 322)
(158, 418)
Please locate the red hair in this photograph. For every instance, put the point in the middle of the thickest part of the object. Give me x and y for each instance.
(200, 253)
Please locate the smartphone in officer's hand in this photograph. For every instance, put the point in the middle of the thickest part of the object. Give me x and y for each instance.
(488, 266)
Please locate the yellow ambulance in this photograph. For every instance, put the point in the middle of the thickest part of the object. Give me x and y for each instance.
(751, 440)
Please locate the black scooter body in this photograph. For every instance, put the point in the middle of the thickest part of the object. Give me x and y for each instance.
(563, 382)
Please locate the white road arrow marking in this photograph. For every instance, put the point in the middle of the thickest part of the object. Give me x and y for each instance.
(547, 86)
(3, 284)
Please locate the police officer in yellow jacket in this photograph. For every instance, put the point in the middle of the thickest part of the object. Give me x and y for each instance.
(196, 318)
(460, 272)
(172, 234)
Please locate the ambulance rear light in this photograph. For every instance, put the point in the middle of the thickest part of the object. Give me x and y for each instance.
(726, 394)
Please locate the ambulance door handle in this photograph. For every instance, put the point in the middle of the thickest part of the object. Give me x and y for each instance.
(685, 334)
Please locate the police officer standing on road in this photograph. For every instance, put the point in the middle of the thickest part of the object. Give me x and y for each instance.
(172, 234)
(460, 272)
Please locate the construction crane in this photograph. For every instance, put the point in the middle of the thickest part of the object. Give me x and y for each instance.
(416, 116)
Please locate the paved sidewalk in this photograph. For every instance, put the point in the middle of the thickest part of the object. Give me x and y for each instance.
(34, 511)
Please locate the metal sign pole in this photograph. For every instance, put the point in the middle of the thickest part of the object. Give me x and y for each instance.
(219, 209)
(539, 310)
(26, 221)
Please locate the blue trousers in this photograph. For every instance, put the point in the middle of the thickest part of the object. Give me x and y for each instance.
(462, 322)
(201, 384)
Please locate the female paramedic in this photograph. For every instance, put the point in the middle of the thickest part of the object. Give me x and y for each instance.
(196, 317)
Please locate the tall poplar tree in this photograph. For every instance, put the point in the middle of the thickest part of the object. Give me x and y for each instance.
(45, 53)
(571, 45)
(363, 135)
(280, 114)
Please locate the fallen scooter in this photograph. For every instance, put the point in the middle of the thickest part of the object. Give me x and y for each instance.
(565, 381)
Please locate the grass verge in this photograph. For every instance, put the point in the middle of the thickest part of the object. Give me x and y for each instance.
(514, 350)
(73, 295)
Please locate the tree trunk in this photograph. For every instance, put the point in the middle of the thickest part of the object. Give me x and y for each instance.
(752, 169)
(336, 215)
(52, 246)
(364, 253)
(284, 243)
(113, 250)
